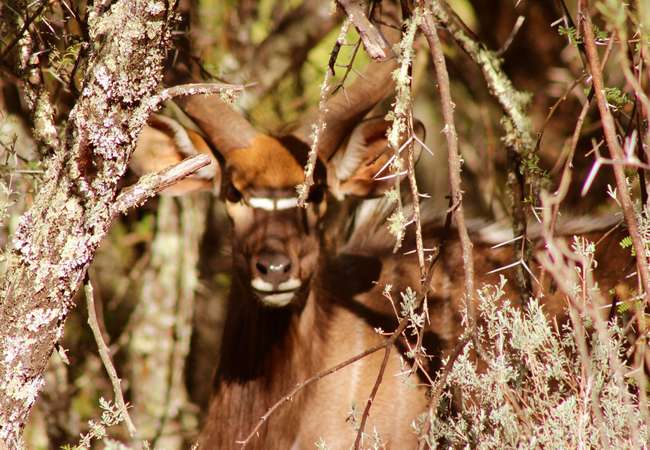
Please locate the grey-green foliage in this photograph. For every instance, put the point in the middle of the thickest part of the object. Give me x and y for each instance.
(537, 392)
(111, 416)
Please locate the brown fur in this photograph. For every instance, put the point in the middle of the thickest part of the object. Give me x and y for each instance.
(266, 163)
(268, 351)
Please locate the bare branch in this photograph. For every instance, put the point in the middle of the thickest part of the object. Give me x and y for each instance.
(447, 106)
(511, 37)
(368, 33)
(104, 354)
(150, 185)
(584, 19)
(184, 90)
(300, 386)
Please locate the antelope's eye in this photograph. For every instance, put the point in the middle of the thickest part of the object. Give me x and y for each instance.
(233, 195)
(316, 195)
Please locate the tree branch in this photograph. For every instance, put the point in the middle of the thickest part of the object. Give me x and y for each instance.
(57, 238)
(369, 34)
(152, 184)
(104, 354)
(428, 27)
(184, 90)
(584, 19)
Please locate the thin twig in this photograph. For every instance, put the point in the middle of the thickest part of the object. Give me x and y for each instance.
(428, 27)
(104, 354)
(300, 386)
(511, 37)
(563, 188)
(348, 67)
(184, 90)
(389, 343)
(550, 114)
(440, 384)
(420, 301)
(319, 127)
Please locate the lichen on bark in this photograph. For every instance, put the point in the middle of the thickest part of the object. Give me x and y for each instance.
(56, 240)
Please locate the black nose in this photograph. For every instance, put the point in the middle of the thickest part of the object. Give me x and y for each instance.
(272, 267)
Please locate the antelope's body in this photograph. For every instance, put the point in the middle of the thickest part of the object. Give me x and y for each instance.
(267, 351)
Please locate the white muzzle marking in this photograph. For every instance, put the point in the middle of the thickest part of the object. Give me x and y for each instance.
(277, 296)
(278, 300)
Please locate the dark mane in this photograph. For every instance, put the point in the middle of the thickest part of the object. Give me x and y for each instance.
(263, 357)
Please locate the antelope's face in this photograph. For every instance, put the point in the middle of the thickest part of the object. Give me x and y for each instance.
(275, 242)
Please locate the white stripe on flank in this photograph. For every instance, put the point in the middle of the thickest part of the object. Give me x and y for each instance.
(269, 204)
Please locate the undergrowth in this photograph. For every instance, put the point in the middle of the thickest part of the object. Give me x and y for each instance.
(537, 391)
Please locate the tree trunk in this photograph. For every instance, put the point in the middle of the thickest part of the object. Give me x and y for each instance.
(58, 236)
(160, 340)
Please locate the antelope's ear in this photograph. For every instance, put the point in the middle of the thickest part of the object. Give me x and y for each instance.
(163, 143)
(360, 168)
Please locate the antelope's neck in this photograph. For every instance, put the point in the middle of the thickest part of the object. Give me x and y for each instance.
(265, 353)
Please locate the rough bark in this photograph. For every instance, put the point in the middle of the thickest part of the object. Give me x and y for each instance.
(160, 339)
(57, 237)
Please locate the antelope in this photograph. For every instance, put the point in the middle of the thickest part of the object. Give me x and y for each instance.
(300, 303)
(293, 308)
